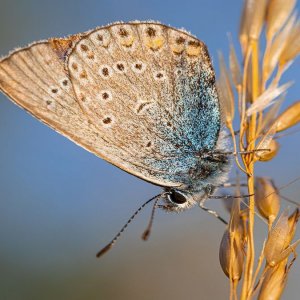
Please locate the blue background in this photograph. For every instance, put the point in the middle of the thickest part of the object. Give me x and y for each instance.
(59, 204)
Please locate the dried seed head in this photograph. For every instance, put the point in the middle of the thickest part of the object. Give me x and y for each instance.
(266, 198)
(292, 47)
(293, 220)
(269, 117)
(268, 155)
(290, 117)
(278, 246)
(231, 255)
(235, 68)
(267, 98)
(278, 12)
(257, 15)
(252, 21)
(229, 203)
(266, 139)
(244, 25)
(225, 92)
(273, 283)
(271, 58)
(277, 239)
(276, 277)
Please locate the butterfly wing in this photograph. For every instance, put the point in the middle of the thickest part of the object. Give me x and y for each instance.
(133, 94)
(150, 89)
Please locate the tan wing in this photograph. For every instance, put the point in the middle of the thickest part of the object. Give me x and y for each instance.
(35, 79)
(144, 85)
(128, 93)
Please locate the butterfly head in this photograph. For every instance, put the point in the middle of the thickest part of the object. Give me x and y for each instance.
(210, 172)
(179, 200)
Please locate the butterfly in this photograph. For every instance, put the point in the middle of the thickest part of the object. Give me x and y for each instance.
(141, 95)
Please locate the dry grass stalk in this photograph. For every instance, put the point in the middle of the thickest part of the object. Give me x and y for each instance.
(256, 85)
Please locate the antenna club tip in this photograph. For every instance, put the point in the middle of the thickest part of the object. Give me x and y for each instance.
(146, 234)
(104, 250)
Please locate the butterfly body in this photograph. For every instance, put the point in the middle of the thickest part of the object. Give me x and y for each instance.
(140, 95)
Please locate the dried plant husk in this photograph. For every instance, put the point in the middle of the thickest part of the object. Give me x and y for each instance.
(292, 221)
(229, 202)
(265, 141)
(292, 47)
(276, 277)
(274, 283)
(269, 117)
(290, 117)
(244, 27)
(252, 22)
(225, 93)
(278, 246)
(273, 148)
(258, 18)
(267, 199)
(231, 258)
(253, 18)
(235, 68)
(273, 52)
(231, 255)
(231, 252)
(267, 98)
(278, 12)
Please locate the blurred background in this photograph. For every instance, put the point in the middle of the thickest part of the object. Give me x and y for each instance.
(60, 204)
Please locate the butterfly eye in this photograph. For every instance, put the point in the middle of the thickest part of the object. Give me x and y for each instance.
(177, 197)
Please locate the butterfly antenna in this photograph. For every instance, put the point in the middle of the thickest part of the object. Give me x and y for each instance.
(278, 136)
(146, 233)
(214, 213)
(245, 152)
(230, 196)
(283, 187)
(113, 241)
(289, 200)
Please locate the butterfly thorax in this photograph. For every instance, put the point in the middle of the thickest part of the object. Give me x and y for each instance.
(209, 172)
(209, 164)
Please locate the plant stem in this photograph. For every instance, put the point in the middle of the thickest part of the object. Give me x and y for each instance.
(251, 136)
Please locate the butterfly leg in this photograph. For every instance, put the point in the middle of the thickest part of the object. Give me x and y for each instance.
(230, 184)
(212, 212)
(235, 133)
(231, 196)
